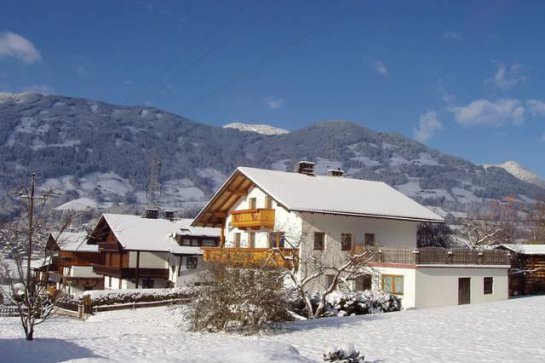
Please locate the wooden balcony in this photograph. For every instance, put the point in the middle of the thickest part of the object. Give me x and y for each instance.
(249, 257)
(436, 256)
(127, 273)
(253, 219)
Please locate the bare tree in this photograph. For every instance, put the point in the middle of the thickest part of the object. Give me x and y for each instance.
(537, 222)
(306, 272)
(23, 244)
(479, 234)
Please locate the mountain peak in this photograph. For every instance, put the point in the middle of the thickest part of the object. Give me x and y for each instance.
(517, 170)
(257, 128)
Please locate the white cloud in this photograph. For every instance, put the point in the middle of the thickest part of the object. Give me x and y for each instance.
(428, 124)
(491, 113)
(380, 68)
(507, 77)
(452, 36)
(15, 46)
(275, 103)
(536, 107)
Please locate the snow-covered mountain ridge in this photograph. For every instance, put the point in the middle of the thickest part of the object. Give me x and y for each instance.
(520, 172)
(99, 153)
(257, 128)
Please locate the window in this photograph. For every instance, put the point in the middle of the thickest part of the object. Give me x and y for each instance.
(251, 239)
(252, 203)
(369, 239)
(329, 280)
(319, 238)
(147, 283)
(186, 242)
(268, 203)
(488, 285)
(237, 240)
(392, 284)
(276, 237)
(191, 262)
(346, 241)
(363, 283)
(109, 281)
(209, 242)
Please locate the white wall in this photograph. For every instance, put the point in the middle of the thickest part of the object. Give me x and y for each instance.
(408, 299)
(80, 271)
(286, 222)
(438, 286)
(149, 259)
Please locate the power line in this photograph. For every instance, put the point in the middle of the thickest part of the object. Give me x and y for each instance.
(181, 57)
(261, 63)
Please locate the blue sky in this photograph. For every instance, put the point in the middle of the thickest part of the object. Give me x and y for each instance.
(466, 78)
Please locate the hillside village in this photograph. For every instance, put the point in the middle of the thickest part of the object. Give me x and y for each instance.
(251, 181)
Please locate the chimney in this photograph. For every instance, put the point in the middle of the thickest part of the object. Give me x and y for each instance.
(335, 172)
(306, 167)
(169, 215)
(151, 213)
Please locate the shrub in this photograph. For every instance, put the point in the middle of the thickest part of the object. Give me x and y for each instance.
(234, 298)
(346, 353)
(112, 297)
(351, 303)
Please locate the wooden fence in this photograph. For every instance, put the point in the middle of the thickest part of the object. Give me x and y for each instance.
(440, 256)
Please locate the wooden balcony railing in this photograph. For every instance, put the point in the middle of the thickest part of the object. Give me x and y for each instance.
(253, 218)
(127, 273)
(438, 256)
(250, 257)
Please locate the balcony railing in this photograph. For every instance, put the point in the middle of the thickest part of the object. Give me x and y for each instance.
(253, 218)
(250, 257)
(438, 256)
(127, 273)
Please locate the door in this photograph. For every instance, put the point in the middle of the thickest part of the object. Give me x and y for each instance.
(464, 292)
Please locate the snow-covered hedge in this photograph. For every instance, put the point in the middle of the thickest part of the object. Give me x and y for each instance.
(346, 353)
(351, 303)
(112, 297)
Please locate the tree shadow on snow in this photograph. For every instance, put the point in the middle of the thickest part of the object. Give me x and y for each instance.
(42, 350)
(329, 323)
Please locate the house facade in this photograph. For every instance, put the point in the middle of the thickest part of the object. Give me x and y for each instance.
(72, 263)
(262, 211)
(151, 252)
(527, 274)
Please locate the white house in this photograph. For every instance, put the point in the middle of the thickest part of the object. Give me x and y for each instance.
(304, 213)
(152, 252)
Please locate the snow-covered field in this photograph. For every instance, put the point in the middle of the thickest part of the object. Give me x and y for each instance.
(507, 331)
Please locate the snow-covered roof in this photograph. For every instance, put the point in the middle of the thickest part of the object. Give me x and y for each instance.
(319, 194)
(146, 234)
(525, 249)
(75, 242)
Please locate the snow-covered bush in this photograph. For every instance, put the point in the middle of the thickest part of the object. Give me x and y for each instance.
(242, 299)
(351, 303)
(112, 297)
(345, 353)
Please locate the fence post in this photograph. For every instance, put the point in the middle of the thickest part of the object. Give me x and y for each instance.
(416, 256)
(80, 311)
(450, 256)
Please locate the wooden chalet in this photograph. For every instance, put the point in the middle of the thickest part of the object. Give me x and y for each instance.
(527, 273)
(71, 263)
(152, 252)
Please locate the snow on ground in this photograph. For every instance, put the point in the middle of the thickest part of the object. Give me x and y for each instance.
(506, 331)
(80, 204)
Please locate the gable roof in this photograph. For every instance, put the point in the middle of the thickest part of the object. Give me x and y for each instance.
(159, 235)
(316, 194)
(525, 249)
(75, 242)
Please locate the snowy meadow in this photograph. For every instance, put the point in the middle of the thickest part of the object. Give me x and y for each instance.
(506, 331)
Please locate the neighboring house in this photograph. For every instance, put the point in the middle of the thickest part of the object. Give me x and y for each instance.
(527, 274)
(152, 252)
(72, 263)
(262, 211)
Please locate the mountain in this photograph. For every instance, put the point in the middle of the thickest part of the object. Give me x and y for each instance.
(520, 172)
(257, 128)
(99, 154)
